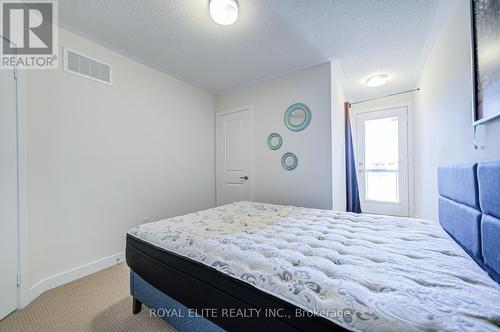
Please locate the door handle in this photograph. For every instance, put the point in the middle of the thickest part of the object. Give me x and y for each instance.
(244, 177)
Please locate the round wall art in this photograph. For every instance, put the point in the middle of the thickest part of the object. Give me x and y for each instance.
(297, 117)
(274, 141)
(289, 161)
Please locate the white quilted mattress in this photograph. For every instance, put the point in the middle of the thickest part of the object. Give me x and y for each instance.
(363, 272)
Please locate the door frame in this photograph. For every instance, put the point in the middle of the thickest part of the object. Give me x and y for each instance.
(24, 291)
(251, 148)
(24, 294)
(22, 253)
(410, 141)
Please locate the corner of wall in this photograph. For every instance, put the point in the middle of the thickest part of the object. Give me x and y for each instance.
(31, 293)
(441, 16)
(338, 138)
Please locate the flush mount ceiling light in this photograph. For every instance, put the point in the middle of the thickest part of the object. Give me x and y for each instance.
(376, 80)
(224, 12)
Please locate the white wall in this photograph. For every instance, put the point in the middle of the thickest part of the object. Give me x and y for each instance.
(102, 158)
(310, 183)
(443, 117)
(338, 138)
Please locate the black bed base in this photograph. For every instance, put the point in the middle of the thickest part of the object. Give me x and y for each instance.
(204, 289)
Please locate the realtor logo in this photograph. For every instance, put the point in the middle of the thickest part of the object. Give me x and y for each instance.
(29, 34)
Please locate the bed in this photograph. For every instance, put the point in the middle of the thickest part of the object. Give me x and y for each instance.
(251, 266)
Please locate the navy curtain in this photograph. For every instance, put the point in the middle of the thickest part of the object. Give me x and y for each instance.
(352, 191)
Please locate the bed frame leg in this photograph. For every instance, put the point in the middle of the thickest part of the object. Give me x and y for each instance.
(136, 306)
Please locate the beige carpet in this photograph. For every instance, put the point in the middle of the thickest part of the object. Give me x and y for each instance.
(98, 302)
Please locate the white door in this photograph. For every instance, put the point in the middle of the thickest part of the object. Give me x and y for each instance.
(8, 193)
(382, 157)
(234, 156)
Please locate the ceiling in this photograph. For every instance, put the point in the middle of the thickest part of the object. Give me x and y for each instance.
(270, 38)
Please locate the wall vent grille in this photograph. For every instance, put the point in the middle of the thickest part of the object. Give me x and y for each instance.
(83, 65)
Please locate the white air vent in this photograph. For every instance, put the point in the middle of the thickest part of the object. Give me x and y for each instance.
(82, 65)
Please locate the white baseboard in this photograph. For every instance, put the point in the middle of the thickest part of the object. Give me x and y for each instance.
(68, 276)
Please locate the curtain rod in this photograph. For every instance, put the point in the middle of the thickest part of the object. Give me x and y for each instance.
(393, 94)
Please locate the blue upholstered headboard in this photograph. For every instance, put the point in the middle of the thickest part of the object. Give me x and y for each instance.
(469, 210)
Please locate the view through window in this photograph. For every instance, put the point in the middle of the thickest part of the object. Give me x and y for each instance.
(381, 160)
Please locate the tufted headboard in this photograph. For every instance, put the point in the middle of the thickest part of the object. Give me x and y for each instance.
(469, 210)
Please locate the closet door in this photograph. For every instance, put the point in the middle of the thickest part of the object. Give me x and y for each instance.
(234, 156)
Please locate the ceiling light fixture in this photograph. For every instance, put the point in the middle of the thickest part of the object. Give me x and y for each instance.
(224, 12)
(376, 80)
